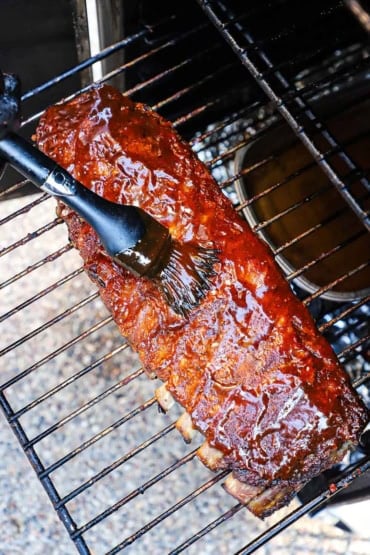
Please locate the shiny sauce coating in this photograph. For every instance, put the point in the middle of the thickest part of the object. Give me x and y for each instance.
(248, 364)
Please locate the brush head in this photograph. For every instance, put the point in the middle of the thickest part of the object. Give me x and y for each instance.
(186, 275)
(182, 271)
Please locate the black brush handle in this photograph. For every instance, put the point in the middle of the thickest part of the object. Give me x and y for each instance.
(119, 227)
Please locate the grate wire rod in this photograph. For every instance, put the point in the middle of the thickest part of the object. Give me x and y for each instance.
(49, 323)
(246, 171)
(215, 162)
(193, 86)
(359, 13)
(353, 346)
(282, 33)
(334, 282)
(13, 188)
(361, 380)
(344, 313)
(233, 133)
(30, 236)
(326, 254)
(100, 435)
(270, 189)
(140, 490)
(199, 110)
(251, 12)
(108, 469)
(127, 65)
(50, 258)
(357, 327)
(80, 410)
(25, 209)
(171, 70)
(85, 63)
(352, 356)
(340, 483)
(293, 207)
(158, 76)
(46, 482)
(204, 487)
(41, 294)
(310, 230)
(68, 381)
(55, 353)
(211, 526)
(225, 122)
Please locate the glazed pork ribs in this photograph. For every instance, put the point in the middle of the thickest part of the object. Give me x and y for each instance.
(248, 365)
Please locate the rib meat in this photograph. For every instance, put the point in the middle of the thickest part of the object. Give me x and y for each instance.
(248, 365)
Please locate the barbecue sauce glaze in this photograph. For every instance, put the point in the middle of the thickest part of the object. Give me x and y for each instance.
(248, 364)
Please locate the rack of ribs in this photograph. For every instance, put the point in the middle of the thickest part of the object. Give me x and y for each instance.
(248, 365)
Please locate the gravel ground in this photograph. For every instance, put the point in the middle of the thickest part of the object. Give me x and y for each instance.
(28, 524)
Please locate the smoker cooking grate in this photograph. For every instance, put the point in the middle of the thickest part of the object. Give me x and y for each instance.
(213, 102)
(268, 59)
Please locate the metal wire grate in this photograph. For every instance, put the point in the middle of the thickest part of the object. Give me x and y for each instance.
(74, 393)
(261, 55)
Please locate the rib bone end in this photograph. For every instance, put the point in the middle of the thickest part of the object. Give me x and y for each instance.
(164, 398)
(210, 456)
(185, 426)
(241, 491)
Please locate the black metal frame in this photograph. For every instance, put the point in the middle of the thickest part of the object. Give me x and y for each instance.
(214, 135)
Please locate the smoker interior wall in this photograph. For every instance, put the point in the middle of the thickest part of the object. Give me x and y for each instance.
(37, 43)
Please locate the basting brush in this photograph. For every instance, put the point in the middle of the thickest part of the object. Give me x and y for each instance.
(133, 238)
